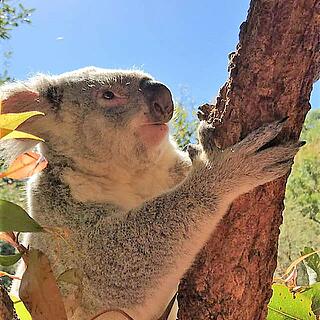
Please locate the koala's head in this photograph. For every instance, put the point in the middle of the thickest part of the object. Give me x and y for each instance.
(96, 114)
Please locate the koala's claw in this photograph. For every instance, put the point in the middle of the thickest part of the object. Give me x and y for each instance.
(284, 119)
(260, 137)
(302, 143)
(276, 161)
(279, 169)
(281, 152)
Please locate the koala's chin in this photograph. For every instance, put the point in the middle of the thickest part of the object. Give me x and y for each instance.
(154, 135)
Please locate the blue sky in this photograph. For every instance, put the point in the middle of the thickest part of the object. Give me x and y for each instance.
(184, 43)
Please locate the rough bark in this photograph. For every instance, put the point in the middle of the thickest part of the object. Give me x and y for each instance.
(6, 306)
(270, 76)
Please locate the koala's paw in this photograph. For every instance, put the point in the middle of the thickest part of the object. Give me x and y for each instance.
(253, 161)
(259, 161)
(276, 161)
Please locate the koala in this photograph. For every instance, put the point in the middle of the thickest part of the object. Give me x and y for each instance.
(137, 209)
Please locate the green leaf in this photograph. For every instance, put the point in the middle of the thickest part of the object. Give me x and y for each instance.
(20, 308)
(313, 261)
(315, 306)
(314, 294)
(11, 121)
(9, 260)
(285, 305)
(14, 218)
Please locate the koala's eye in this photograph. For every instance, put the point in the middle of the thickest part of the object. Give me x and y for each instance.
(109, 95)
(108, 99)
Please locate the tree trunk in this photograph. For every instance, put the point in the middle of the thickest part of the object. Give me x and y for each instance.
(271, 76)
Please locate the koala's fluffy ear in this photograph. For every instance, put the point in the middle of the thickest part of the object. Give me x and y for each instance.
(20, 102)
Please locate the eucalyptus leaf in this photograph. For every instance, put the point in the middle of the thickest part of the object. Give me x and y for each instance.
(9, 260)
(20, 308)
(11, 121)
(6, 134)
(313, 261)
(314, 294)
(14, 218)
(39, 290)
(285, 305)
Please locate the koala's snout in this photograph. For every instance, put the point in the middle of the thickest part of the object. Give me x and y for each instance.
(159, 99)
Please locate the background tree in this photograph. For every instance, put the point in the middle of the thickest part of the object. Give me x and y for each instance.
(271, 76)
(183, 126)
(11, 16)
(303, 188)
(302, 203)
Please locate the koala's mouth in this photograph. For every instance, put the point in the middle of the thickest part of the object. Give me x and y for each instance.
(158, 124)
(155, 124)
(155, 128)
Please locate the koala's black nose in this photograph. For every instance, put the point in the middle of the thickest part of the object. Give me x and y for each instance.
(159, 99)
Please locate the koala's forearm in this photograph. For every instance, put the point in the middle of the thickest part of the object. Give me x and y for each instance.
(149, 249)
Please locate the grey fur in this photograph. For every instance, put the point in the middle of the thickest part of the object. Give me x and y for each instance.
(133, 256)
